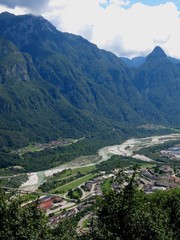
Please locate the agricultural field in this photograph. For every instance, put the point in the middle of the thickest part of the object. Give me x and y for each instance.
(64, 178)
(73, 184)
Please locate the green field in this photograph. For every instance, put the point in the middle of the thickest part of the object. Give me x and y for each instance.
(146, 165)
(69, 172)
(106, 185)
(65, 188)
(84, 170)
(76, 193)
(65, 177)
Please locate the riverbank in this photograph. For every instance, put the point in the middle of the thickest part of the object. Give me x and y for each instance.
(125, 149)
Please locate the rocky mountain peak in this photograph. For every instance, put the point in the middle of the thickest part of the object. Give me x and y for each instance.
(157, 53)
(23, 30)
(25, 24)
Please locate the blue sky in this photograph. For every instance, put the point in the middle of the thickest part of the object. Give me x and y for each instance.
(125, 27)
(147, 2)
(155, 2)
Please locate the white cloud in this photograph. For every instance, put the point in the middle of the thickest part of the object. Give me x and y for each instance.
(103, 1)
(118, 27)
(15, 10)
(119, 3)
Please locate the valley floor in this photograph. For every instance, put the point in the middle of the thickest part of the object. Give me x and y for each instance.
(125, 149)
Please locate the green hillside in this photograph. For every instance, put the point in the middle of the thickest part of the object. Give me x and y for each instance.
(55, 84)
(158, 80)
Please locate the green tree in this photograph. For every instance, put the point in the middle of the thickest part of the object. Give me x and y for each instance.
(64, 231)
(29, 223)
(133, 214)
(18, 222)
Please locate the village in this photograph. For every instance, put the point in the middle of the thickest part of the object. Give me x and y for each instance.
(42, 146)
(71, 189)
(58, 208)
(173, 152)
(149, 179)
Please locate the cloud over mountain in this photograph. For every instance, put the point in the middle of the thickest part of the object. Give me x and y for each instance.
(117, 25)
(24, 3)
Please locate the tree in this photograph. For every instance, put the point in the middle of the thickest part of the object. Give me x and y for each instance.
(21, 223)
(64, 231)
(29, 223)
(133, 214)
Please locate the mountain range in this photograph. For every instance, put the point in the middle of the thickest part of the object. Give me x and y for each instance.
(138, 61)
(55, 84)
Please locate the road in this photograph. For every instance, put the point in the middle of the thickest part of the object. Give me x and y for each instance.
(80, 223)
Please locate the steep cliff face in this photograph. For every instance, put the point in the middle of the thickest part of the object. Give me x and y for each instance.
(12, 64)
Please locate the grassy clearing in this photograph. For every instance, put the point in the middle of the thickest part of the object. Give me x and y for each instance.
(64, 177)
(106, 185)
(86, 223)
(176, 130)
(75, 194)
(69, 172)
(146, 165)
(75, 171)
(29, 197)
(84, 170)
(73, 184)
(32, 148)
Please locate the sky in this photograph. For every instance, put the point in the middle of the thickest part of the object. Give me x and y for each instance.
(127, 28)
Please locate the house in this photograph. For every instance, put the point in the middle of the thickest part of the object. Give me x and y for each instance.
(148, 188)
(166, 169)
(161, 184)
(57, 199)
(149, 175)
(46, 204)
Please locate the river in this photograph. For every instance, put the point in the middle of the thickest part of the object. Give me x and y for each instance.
(125, 149)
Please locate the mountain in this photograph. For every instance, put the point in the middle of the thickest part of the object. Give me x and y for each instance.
(158, 80)
(156, 55)
(138, 61)
(174, 60)
(134, 62)
(31, 108)
(55, 84)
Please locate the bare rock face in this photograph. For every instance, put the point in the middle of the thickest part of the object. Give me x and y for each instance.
(25, 28)
(12, 64)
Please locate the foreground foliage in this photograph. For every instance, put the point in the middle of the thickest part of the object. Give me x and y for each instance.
(133, 214)
(21, 222)
(28, 222)
(119, 215)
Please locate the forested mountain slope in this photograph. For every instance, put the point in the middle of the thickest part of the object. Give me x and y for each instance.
(56, 84)
(158, 80)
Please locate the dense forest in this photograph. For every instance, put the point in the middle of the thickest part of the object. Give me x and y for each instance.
(55, 84)
(39, 160)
